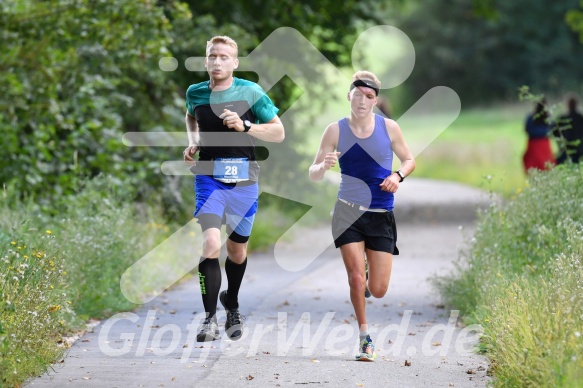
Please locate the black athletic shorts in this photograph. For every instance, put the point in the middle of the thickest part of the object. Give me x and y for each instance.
(377, 230)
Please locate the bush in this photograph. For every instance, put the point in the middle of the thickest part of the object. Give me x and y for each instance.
(57, 271)
(522, 280)
(101, 235)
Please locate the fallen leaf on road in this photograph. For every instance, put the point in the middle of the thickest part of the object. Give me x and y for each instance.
(471, 372)
(436, 344)
(407, 363)
(249, 377)
(314, 360)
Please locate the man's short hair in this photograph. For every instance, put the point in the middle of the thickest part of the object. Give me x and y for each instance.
(222, 39)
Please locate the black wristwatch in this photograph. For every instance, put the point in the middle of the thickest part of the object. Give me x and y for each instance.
(247, 125)
(401, 175)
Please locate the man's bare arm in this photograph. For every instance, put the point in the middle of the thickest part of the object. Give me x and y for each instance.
(193, 137)
(271, 131)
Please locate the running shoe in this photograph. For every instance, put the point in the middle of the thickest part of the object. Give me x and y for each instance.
(366, 350)
(208, 331)
(234, 324)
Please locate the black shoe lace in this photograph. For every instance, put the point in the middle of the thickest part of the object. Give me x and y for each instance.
(234, 318)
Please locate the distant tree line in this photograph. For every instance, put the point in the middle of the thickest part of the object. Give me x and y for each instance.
(487, 55)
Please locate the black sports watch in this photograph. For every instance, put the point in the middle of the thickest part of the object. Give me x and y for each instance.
(247, 125)
(401, 175)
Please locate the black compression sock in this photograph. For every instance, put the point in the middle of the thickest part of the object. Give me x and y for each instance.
(235, 274)
(209, 275)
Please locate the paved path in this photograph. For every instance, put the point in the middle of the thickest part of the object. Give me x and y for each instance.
(301, 327)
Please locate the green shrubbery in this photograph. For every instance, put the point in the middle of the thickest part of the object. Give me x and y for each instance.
(57, 271)
(522, 280)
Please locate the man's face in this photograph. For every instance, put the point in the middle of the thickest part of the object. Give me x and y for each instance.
(221, 61)
(362, 100)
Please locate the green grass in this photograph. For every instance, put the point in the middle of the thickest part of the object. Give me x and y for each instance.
(522, 280)
(35, 301)
(482, 148)
(57, 271)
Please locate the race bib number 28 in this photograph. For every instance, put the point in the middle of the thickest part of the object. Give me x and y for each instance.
(231, 170)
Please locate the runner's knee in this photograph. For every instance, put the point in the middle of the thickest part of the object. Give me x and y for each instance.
(357, 280)
(237, 251)
(211, 245)
(378, 290)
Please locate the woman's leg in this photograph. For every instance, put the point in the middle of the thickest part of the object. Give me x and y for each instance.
(353, 257)
(380, 265)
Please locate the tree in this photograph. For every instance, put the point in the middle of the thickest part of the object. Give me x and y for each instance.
(78, 74)
(486, 59)
(574, 19)
(75, 77)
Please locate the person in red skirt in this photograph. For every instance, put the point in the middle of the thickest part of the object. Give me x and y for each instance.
(538, 154)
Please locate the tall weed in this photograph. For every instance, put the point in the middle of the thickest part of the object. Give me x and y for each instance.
(57, 271)
(522, 280)
(35, 307)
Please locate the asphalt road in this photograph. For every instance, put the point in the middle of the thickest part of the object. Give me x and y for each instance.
(300, 327)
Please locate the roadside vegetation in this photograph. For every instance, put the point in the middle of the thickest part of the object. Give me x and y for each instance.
(57, 271)
(522, 280)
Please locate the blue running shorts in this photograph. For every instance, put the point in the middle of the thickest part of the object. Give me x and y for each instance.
(235, 204)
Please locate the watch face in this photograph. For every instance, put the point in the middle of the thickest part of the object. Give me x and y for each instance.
(247, 123)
